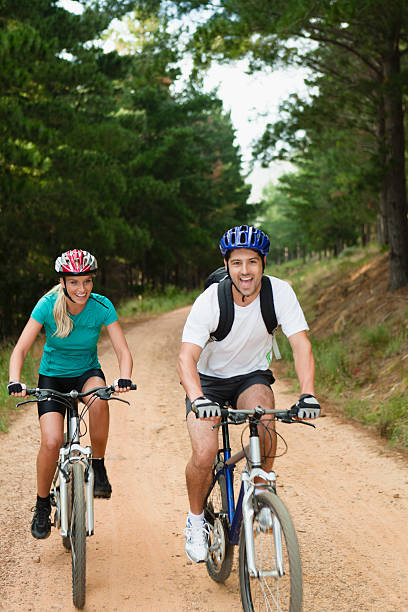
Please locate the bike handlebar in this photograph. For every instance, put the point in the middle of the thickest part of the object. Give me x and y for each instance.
(102, 392)
(285, 416)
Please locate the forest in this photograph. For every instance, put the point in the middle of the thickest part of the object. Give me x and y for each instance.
(100, 151)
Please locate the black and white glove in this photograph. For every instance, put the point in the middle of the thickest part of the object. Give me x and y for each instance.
(15, 387)
(205, 408)
(122, 383)
(308, 407)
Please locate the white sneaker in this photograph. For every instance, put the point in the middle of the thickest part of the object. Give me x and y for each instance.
(265, 519)
(197, 541)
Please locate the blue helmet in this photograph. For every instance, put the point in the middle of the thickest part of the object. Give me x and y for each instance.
(245, 237)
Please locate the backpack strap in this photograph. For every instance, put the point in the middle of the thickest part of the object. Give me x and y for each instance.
(267, 305)
(226, 304)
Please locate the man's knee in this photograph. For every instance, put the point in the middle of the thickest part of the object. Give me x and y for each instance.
(204, 442)
(203, 457)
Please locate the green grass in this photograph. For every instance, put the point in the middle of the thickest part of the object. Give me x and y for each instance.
(393, 419)
(389, 417)
(348, 365)
(333, 362)
(156, 302)
(305, 274)
(29, 376)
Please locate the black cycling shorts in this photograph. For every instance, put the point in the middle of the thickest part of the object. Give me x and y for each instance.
(223, 390)
(63, 384)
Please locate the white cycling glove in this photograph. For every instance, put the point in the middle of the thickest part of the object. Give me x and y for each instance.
(308, 407)
(205, 408)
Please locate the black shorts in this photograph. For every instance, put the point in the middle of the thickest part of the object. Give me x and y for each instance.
(223, 390)
(63, 384)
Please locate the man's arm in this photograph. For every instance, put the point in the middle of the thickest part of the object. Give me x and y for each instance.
(304, 361)
(187, 369)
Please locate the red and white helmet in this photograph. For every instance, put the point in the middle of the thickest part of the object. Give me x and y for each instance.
(75, 263)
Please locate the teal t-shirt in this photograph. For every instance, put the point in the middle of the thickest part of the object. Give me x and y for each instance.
(77, 353)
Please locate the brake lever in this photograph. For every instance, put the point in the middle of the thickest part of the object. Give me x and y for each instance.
(303, 423)
(118, 399)
(29, 401)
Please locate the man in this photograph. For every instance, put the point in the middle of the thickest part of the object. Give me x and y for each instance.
(235, 369)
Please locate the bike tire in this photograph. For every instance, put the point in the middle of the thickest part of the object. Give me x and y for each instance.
(283, 593)
(78, 536)
(221, 551)
(66, 540)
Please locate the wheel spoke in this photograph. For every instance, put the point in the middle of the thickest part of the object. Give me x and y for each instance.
(219, 562)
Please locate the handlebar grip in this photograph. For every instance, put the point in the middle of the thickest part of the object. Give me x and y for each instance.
(31, 391)
(133, 387)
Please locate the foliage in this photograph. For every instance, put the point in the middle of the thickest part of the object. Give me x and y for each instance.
(7, 403)
(154, 302)
(96, 152)
(355, 52)
(362, 371)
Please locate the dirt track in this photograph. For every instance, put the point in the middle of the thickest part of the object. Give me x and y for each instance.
(347, 493)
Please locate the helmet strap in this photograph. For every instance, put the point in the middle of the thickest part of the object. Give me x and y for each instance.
(66, 291)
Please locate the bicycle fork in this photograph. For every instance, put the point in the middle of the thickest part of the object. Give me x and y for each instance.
(68, 456)
(248, 516)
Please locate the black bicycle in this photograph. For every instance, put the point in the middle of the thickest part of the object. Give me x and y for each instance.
(72, 493)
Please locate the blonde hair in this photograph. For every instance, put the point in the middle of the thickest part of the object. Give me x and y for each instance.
(62, 319)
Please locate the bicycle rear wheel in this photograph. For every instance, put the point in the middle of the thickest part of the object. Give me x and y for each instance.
(278, 584)
(78, 536)
(221, 551)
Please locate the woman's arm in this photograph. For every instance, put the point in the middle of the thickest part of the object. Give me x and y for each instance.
(121, 349)
(20, 351)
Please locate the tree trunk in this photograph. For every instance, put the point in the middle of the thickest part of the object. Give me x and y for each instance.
(382, 221)
(395, 172)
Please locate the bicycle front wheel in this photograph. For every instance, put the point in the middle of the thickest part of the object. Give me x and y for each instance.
(221, 551)
(277, 585)
(78, 536)
(66, 540)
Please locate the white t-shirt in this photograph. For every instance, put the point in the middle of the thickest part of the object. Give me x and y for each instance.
(248, 346)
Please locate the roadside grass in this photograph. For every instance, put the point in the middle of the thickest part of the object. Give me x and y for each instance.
(29, 375)
(303, 275)
(363, 371)
(156, 302)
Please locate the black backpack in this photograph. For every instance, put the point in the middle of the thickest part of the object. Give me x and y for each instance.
(226, 303)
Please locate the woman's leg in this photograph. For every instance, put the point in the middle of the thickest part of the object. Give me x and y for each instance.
(52, 436)
(98, 431)
(98, 419)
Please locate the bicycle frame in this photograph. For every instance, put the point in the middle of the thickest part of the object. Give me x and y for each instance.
(71, 452)
(244, 508)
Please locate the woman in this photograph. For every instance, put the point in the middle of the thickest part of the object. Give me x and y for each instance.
(72, 317)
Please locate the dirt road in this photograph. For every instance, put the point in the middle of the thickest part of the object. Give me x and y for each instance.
(347, 493)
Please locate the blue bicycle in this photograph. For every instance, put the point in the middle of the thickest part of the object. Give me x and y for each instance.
(270, 571)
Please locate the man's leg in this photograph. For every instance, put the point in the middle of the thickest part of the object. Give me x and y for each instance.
(204, 445)
(262, 395)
